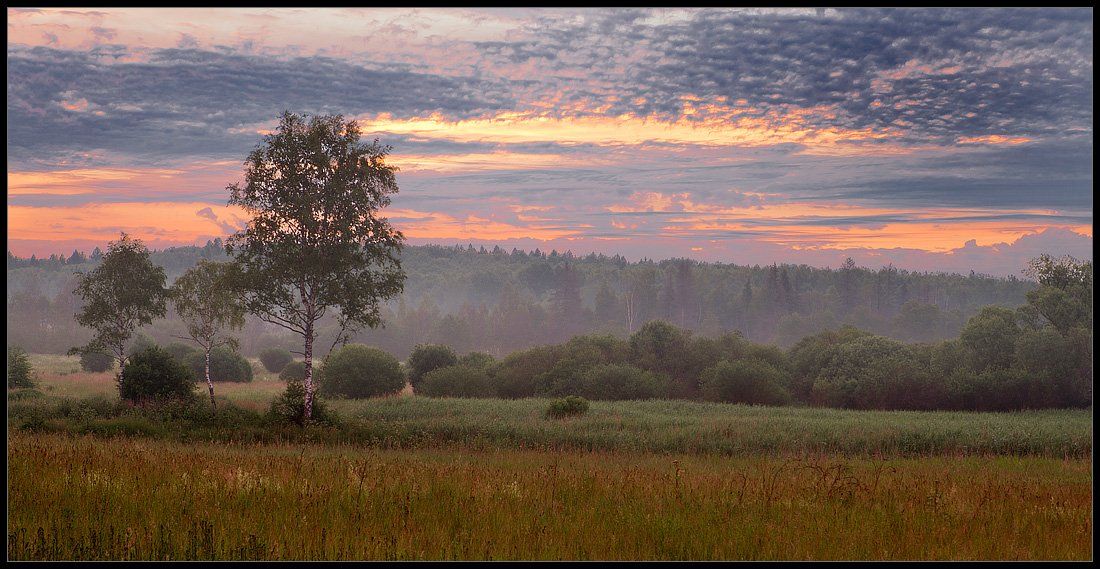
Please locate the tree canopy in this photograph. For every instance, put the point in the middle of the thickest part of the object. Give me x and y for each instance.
(316, 240)
(125, 291)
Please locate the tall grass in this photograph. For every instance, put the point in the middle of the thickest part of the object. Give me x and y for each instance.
(86, 498)
(636, 426)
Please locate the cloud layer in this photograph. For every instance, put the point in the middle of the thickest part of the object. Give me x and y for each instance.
(901, 135)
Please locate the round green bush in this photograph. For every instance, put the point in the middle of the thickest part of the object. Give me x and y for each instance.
(457, 381)
(296, 371)
(225, 365)
(20, 373)
(428, 357)
(181, 351)
(751, 381)
(96, 362)
(275, 359)
(153, 374)
(571, 406)
(360, 371)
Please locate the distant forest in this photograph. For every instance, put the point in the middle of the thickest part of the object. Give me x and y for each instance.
(499, 301)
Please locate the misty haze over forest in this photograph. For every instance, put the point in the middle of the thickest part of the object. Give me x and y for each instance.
(497, 301)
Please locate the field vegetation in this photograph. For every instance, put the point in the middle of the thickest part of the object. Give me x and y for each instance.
(88, 498)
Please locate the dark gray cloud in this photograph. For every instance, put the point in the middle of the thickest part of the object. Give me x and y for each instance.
(187, 102)
(933, 74)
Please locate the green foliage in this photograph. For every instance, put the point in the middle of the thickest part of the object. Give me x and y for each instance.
(124, 292)
(20, 372)
(478, 360)
(360, 371)
(155, 375)
(276, 359)
(428, 357)
(225, 365)
(290, 408)
(872, 372)
(182, 352)
(207, 304)
(457, 381)
(140, 343)
(296, 371)
(752, 381)
(518, 374)
(812, 353)
(571, 406)
(1001, 389)
(991, 338)
(315, 239)
(660, 346)
(613, 382)
(96, 362)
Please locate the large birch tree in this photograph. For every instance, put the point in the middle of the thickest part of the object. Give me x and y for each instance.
(316, 242)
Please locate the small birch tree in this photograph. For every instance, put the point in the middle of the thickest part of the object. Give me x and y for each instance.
(126, 291)
(206, 302)
(316, 241)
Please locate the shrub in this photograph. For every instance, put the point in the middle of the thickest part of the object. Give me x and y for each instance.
(275, 359)
(225, 365)
(428, 357)
(614, 382)
(813, 353)
(153, 374)
(571, 406)
(360, 371)
(457, 381)
(873, 372)
(1000, 389)
(96, 362)
(182, 352)
(290, 407)
(751, 381)
(477, 360)
(20, 372)
(296, 371)
(518, 374)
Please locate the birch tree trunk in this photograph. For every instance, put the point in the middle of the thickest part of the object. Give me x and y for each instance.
(210, 384)
(309, 371)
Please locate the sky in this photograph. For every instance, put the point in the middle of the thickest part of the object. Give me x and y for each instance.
(933, 140)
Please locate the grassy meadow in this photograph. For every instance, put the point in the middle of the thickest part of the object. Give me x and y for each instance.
(408, 477)
(139, 499)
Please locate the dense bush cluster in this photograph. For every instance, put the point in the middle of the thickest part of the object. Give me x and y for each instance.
(296, 371)
(275, 359)
(360, 371)
(457, 381)
(426, 358)
(571, 406)
(1036, 356)
(154, 375)
(225, 365)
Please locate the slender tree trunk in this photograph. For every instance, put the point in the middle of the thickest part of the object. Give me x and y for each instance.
(309, 371)
(210, 384)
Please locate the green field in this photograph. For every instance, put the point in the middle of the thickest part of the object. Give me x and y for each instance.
(408, 477)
